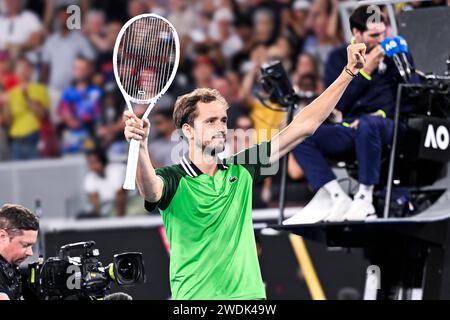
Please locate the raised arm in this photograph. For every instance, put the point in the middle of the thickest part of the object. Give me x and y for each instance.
(149, 184)
(313, 115)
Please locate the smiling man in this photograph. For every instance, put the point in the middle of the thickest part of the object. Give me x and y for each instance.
(206, 204)
(18, 233)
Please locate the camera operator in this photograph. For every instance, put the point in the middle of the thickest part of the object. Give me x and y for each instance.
(18, 233)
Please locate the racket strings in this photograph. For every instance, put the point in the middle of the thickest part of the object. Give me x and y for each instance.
(146, 57)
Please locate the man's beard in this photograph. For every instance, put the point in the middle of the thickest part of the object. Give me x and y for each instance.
(18, 261)
(211, 149)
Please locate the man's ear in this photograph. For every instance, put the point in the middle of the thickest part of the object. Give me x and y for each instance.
(357, 36)
(187, 131)
(3, 235)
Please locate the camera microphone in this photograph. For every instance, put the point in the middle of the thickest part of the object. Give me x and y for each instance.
(118, 296)
(392, 50)
(403, 46)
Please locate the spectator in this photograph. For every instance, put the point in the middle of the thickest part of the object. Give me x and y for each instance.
(103, 185)
(306, 74)
(94, 29)
(266, 120)
(225, 34)
(163, 148)
(234, 86)
(58, 55)
(104, 62)
(203, 72)
(281, 50)
(4, 147)
(79, 109)
(51, 7)
(155, 7)
(136, 7)
(7, 81)
(243, 135)
(182, 17)
(321, 43)
(110, 129)
(297, 28)
(27, 106)
(264, 27)
(20, 30)
(223, 85)
(7, 78)
(239, 62)
(334, 28)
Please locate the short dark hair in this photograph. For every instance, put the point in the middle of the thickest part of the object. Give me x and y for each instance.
(99, 153)
(14, 219)
(185, 110)
(61, 8)
(360, 16)
(84, 58)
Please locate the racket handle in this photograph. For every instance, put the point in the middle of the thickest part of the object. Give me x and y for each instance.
(133, 156)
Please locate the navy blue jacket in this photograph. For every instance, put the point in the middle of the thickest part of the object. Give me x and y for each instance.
(364, 96)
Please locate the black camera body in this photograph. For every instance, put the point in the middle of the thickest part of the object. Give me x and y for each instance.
(275, 82)
(77, 273)
(276, 91)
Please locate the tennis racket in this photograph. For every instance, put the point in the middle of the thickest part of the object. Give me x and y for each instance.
(146, 56)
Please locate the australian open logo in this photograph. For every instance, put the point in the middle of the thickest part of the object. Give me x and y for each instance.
(233, 179)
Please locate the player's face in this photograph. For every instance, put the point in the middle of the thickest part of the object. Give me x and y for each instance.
(210, 127)
(17, 248)
(373, 36)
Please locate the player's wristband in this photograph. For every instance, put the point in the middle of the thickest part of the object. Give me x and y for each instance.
(349, 72)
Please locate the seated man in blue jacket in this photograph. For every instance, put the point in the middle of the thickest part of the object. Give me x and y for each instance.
(368, 109)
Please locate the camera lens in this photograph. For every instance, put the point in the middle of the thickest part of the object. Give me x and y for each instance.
(127, 269)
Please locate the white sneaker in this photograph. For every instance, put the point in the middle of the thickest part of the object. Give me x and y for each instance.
(316, 209)
(360, 210)
(339, 208)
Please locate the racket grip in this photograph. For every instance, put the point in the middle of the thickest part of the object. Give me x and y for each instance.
(133, 156)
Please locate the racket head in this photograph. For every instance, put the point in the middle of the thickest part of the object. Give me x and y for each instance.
(146, 57)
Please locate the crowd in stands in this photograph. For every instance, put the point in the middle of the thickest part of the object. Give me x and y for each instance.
(58, 94)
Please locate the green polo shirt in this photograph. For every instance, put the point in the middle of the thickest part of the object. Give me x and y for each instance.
(208, 222)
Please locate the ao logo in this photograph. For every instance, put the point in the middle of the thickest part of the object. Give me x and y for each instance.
(390, 45)
(439, 138)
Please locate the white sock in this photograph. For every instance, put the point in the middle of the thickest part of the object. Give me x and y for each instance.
(365, 193)
(334, 189)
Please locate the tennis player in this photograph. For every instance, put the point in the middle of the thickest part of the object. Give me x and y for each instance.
(205, 203)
